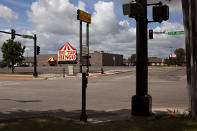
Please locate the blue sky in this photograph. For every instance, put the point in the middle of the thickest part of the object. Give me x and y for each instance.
(54, 21)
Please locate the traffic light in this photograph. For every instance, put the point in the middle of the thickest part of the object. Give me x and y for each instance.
(12, 34)
(160, 13)
(38, 50)
(133, 10)
(150, 34)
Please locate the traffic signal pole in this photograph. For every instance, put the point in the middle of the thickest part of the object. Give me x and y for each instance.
(142, 102)
(13, 34)
(35, 74)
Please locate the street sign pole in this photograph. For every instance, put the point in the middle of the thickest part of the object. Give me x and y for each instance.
(80, 45)
(35, 74)
(87, 44)
(83, 116)
(85, 17)
(141, 102)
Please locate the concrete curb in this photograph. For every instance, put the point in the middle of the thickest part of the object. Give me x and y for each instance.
(55, 76)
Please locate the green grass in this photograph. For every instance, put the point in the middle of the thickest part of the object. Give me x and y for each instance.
(54, 124)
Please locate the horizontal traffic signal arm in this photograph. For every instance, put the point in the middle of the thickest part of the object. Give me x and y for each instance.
(24, 36)
(160, 3)
(10, 33)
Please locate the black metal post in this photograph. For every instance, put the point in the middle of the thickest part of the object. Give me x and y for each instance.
(83, 116)
(87, 44)
(63, 72)
(141, 102)
(80, 36)
(35, 74)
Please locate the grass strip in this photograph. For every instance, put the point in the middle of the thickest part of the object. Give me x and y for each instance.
(54, 124)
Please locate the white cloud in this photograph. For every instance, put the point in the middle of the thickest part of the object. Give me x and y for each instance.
(174, 5)
(81, 5)
(109, 34)
(160, 45)
(104, 20)
(7, 14)
(54, 16)
(167, 26)
(55, 27)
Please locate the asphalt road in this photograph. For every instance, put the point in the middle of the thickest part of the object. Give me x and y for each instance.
(167, 86)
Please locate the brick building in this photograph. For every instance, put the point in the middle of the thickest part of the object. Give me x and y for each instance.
(97, 59)
(106, 59)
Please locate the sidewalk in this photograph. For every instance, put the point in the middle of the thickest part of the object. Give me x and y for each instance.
(59, 76)
(78, 75)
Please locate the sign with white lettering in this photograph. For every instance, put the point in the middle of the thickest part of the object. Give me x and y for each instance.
(67, 53)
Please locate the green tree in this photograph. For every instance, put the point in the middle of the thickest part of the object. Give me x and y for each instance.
(132, 59)
(180, 56)
(12, 52)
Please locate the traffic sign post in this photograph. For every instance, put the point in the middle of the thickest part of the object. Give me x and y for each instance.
(83, 116)
(80, 45)
(84, 50)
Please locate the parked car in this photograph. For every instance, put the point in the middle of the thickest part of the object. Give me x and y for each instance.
(3, 64)
(24, 65)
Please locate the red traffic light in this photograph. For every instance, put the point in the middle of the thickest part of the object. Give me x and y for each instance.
(150, 34)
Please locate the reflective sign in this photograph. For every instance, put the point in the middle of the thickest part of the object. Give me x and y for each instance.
(81, 15)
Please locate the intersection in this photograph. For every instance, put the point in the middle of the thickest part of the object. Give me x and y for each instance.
(107, 93)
